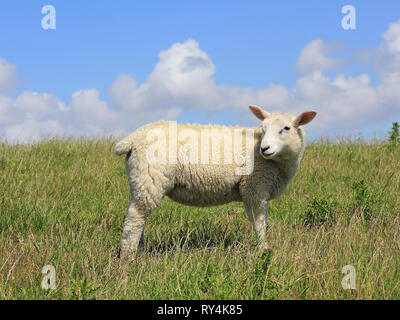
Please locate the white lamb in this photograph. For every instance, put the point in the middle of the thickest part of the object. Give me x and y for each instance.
(276, 149)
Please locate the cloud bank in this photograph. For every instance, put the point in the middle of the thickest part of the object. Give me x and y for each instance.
(183, 79)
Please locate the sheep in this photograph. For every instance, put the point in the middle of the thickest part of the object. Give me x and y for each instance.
(273, 154)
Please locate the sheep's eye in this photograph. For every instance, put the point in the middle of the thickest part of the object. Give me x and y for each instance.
(284, 128)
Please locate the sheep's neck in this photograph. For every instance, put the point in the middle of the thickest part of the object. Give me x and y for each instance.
(288, 167)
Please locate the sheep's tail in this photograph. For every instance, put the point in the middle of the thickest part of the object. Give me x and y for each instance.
(124, 146)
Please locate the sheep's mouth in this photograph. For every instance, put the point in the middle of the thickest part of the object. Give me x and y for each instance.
(267, 155)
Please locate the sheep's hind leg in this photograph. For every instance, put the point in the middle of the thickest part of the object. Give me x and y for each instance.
(132, 233)
(139, 208)
(257, 214)
(141, 241)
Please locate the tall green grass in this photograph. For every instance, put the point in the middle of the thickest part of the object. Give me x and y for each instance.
(63, 202)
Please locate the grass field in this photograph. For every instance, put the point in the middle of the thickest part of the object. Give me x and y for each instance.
(63, 203)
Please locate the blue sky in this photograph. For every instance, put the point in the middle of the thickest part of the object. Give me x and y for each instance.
(251, 44)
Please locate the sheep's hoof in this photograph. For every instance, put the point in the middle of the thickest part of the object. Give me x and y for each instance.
(264, 247)
(125, 257)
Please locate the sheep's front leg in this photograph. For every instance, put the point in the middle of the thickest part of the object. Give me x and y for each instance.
(257, 213)
(133, 232)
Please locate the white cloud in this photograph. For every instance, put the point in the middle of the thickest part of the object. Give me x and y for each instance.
(313, 58)
(5, 110)
(183, 76)
(391, 38)
(183, 79)
(38, 105)
(8, 77)
(88, 109)
(388, 68)
(124, 93)
(31, 130)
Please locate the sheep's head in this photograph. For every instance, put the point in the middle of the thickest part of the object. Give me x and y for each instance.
(282, 136)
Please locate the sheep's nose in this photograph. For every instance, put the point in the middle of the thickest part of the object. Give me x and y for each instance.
(265, 149)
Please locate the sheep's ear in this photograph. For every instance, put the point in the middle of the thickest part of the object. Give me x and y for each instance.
(304, 118)
(259, 113)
